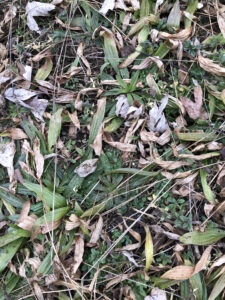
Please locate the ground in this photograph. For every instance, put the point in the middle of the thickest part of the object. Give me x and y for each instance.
(112, 149)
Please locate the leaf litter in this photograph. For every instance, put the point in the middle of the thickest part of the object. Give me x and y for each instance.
(112, 149)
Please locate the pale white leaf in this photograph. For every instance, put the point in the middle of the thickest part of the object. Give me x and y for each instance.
(157, 120)
(7, 152)
(37, 9)
(87, 167)
(106, 6)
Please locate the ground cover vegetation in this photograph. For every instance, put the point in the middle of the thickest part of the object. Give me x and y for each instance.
(112, 149)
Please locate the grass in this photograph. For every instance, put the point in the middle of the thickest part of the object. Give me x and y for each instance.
(150, 212)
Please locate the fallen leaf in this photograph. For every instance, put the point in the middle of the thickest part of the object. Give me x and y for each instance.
(157, 120)
(37, 291)
(106, 6)
(202, 263)
(18, 95)
(221, 19)
(15, 134)
(174, 16)
(120, 279)
(179, 273)
(78, 253)
(80, 51)
(54, 128)
(122, 106)
(3, 51)
(209, 66)
(87, 167)
(74, 119)
(147, 63)
(200, 156)
(151, 136)
(25, 71)
(182, 36)
(37, 9)
(194, 108)
(38, 158)
(97, 231)
(7, 152)
(156, 294)
(121, 146)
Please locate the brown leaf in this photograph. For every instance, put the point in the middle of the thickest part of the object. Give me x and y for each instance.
(182, 36)
(48, 227)
(147, 63)
(97, 231)
(16, 133)
(74, 119)
(78, 253)
(193, 108)
(38, 291)
(156, 294)
(209, 66)
(121, 146)
(169, 165)
(119, 279)
(80, 51)
(203, 260)
(221, 19)
(179, 273)
(176, 175)
(3, 51)
(200, 156)
(151, 136)
(38, 158)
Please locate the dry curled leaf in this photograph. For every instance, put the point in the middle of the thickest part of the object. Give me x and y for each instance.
(78, 253)
(7, 152)
(179, 273)
(87, 167)
(157, 120)
(221, 19)
(106, 6)
(38, 158)
(97, 231)
(209, 66)
(37, 9)
(156, 294)
(193, 108)
(124, 147)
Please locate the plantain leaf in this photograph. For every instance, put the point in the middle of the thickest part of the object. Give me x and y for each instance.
(54, 128)
(210, 236)
(8, 251)
(13, 235)
(46, 195)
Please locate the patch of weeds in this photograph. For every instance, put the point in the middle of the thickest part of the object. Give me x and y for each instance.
(163, 259)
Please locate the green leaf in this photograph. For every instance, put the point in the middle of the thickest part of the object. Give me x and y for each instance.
(197, 136)
(54, 128)
(94, 210)
(206, 188)
(46, 195)
(10, 198)
(133, 171)
(13, 235)
(198, 286)
(48, 217)
(46, 264)
(7, 252)
(192, 6)
(218, 287)
(97, 120)
(111, 53)
(148, 248)
(210, 236)
(45, 70)
(174, 16)
(114, 125)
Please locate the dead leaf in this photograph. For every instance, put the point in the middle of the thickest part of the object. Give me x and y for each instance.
(176, 175)
(179, 273)
(182, 36)
(38, 158)
(15, 133)
(3, 51)
(80, 51)
(25, 71)
(119, 279)
(37, 289)
(194, 108)
(209, 66)
(106, 6)
(87, 167)
(121, 146)
(221, 19)
(28, 222)
(19, 95)
(148, 137)
(37, 9)
(124, 110)
(202, 263)
(97, 231)
(156, 294)
(74, 119)
(157, 120)
(147, 63)
(7, 152)
(97, 144)
(200, 156)
(48, 227)
(78, 253)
